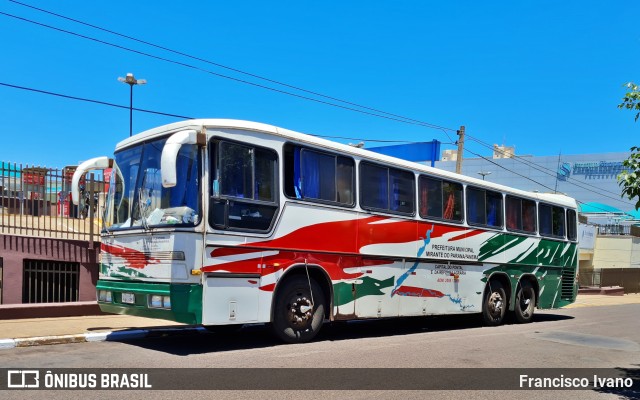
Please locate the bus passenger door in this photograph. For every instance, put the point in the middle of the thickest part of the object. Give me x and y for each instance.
(231, 286)
(230, 299)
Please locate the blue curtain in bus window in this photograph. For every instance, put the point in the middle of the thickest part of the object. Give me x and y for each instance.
(310, 175)
(492, 213)
(296, 173)
(395, 194)
(493, 209)
(191, 185)
(375, 187)
(187, 178)
(382, 183)
(402, 191)
(544, 218)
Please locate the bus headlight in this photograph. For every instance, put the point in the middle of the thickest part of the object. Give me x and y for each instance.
(158, 301)
(105, 296)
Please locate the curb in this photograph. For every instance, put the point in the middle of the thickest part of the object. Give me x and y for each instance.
(114, 336)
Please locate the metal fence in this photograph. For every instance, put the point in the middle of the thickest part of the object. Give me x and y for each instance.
(614, 229)
(50, 281)
(36, 201)
(627, 278)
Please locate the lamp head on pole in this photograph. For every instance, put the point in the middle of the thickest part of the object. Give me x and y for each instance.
(484, 173)
(131, 80)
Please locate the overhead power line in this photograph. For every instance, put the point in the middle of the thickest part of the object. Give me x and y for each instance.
(104, 103)
(181, 53)
(528, 178)
(531, 179)
(547, 171)
(65, 96)
(69, 97)
(194, 67)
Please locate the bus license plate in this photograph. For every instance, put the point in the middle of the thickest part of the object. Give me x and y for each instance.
(128, 298)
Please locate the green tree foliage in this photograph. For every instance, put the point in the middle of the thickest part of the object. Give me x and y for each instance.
(631, 100)
(628, 179)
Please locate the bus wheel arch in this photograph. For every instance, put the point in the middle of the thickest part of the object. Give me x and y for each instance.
(301, 302)
(496, 299)
(526, 299)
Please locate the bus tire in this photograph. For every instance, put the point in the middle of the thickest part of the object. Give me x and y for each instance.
(298, 316)
(495, 304)
(525, 303)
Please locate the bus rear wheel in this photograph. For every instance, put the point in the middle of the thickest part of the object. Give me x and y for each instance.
(299, 310)
(495, 304)
(525, 303)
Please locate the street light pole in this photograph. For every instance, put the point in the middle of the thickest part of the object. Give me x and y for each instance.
(484, 173)
(131, 81)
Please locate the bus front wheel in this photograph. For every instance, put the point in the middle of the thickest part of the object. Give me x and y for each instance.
(299, 310)
(495, 304)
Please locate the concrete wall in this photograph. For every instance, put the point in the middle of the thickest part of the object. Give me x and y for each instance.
(617, 251)
(15, 249)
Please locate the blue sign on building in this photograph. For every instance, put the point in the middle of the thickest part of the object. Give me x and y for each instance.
(417, 152)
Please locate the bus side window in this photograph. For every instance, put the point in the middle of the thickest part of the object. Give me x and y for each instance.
(318, 176)
(529, 216)
(521, 214)
(572, 231)
(452, 201)
(514, 213)
(544, 219)
(243, 187)
(494, 209)
(402, 189)
(484, 207)
(430, 197)
(374, 191)
(345, 174)
(558, 221)
(475, 206)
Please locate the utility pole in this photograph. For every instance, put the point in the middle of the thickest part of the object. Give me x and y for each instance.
(460, 150)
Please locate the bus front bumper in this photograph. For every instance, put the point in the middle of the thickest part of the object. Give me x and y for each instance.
(174, 302)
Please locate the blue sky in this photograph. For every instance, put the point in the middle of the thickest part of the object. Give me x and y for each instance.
(543, 76)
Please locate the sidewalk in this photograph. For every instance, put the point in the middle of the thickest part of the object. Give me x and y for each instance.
(41, 331)
(593, 300)
(95, 328)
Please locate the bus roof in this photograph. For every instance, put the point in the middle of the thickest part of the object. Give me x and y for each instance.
(198, 124)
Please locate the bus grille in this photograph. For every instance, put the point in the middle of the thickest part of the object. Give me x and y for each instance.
(162, 256)
(568, 279)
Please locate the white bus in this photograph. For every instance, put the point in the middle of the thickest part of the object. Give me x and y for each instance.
(225, 222)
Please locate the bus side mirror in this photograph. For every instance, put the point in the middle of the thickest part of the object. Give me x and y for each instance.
(94, 163)
(170, 154)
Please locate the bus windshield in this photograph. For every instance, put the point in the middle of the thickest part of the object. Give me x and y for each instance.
(136, 198)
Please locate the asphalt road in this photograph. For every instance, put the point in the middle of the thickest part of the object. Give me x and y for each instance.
(589, 337)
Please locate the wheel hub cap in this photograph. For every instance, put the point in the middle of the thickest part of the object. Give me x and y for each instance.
(300, 312)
